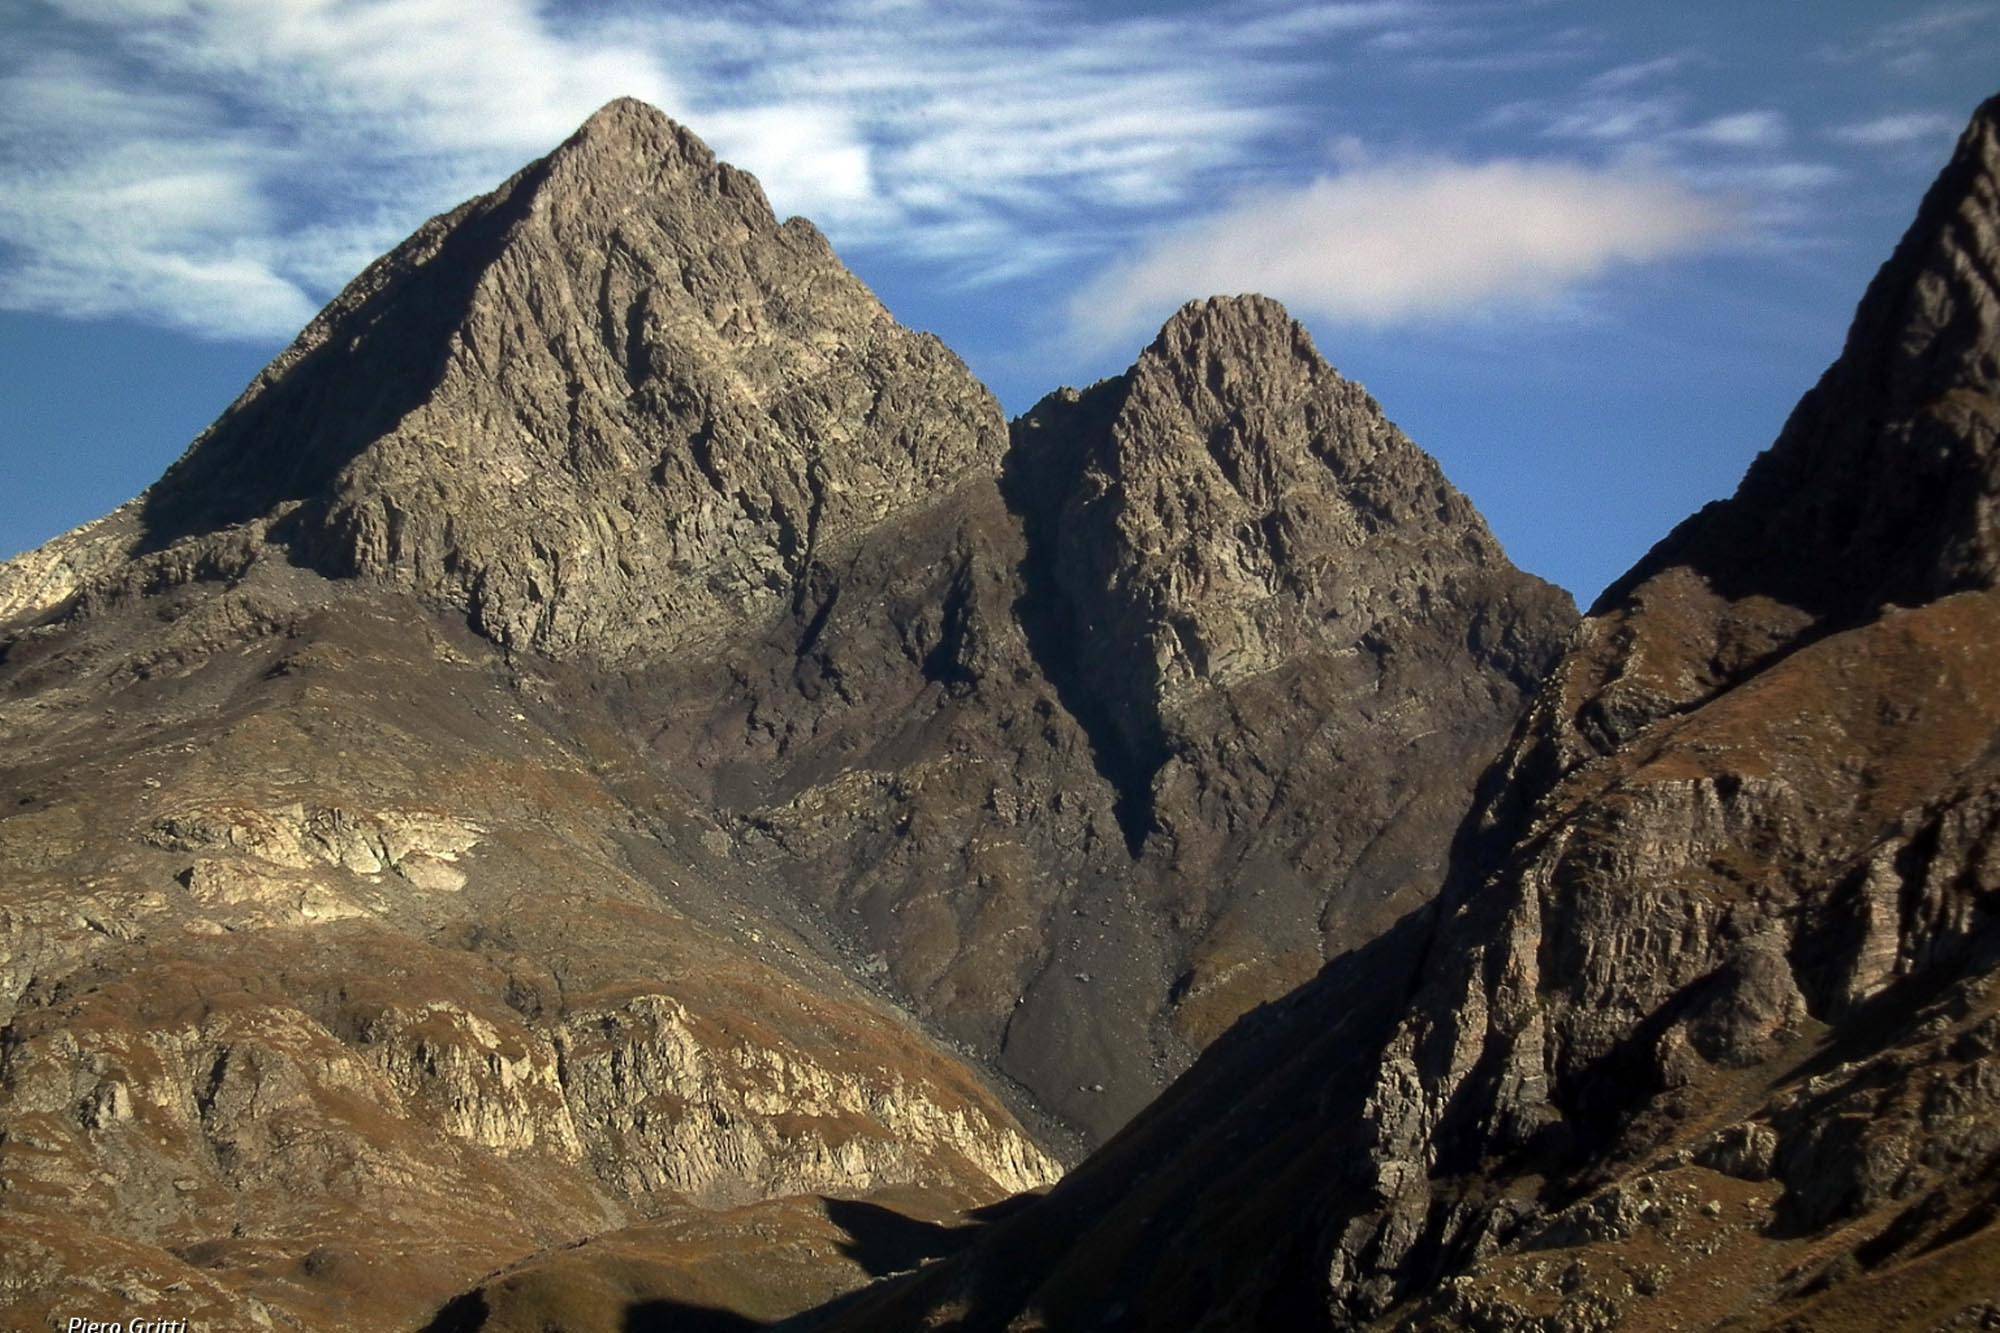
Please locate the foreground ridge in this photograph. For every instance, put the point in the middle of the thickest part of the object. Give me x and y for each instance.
(1705, 1024)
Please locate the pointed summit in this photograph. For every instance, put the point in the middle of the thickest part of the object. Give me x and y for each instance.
(1243, 495)
(628, 118)
(1931, 319)
(1882, 486)
(638, 130)
(607, 409)
(631, 147)
(1239, 322)
(1233, 540)
(1882, 490)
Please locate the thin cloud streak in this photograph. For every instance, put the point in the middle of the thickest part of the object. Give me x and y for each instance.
(1406, 242)
(1898, 130)
(263, 147)
(1915, 45)
(268, 148)
(1742, 129)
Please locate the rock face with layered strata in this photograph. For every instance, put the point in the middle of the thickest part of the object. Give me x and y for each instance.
(613, 408)
(337, 973)
(1287, 634)
(1705, 1027)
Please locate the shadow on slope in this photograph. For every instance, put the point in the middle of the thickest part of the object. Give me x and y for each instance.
(677, 1317)
(1040, 469)
(375, 355)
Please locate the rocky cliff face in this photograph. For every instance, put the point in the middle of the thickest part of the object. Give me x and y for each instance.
(1282, 627)
(1703, 1028)
(339, 972)
(612, 409)
(588, 740)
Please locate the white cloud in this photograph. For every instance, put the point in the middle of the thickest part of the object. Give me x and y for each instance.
(1621, 77)
(1898, 130)
(808, 157)
(1742, 129)
(1404, 241)
(269, 147)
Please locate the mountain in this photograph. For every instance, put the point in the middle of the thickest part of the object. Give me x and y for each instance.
(1704, 1029)
(612, 739)
(612, 410)
(1259, 766)
(1281, 626)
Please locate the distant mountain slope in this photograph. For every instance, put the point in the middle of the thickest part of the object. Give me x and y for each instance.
(1705, 1028)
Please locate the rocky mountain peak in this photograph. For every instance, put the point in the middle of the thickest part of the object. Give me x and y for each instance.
(626, 140)
(631, 156)
(1882, 490)
(1245, 327)
(1250, 584)
(610, 409)
(1238, 500)
(1930, 321)
(632, 124)
(1885, 437)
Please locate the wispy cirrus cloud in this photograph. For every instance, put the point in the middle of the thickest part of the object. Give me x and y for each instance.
(223, 165)
(220, 165)
(1898, 129)
(1646, 116)
(1633, 73)
(213, 166)
(1921, 39)
(1394, 242)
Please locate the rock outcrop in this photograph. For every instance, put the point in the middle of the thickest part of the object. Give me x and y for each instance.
(338, 973)
(1288, 634)
(1702, 1029)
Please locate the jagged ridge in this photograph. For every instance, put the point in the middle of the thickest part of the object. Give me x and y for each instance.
(1707, 1022)
(610, 523)
(613, 407)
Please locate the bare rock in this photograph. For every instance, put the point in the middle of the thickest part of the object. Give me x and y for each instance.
(1714, 976)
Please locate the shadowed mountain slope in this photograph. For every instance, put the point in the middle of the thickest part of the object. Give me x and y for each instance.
(1704, 1029)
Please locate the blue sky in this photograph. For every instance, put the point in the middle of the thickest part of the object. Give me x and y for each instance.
(1588, 254)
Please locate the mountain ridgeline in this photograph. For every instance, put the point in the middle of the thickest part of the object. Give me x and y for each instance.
(612, 789)
(1704, 1029)
(610, 721)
